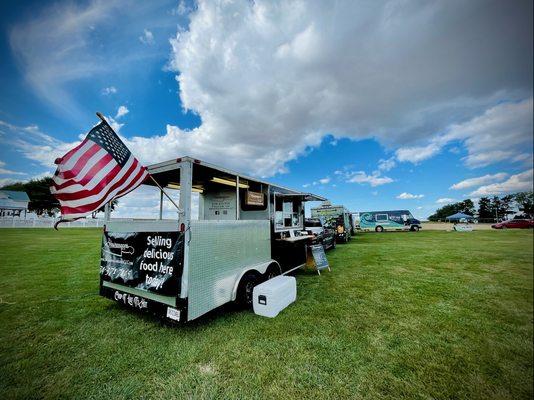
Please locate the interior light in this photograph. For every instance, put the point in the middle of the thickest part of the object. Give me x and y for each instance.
(229, 182)
(197, 189)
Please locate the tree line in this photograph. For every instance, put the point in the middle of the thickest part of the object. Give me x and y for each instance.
(489, 209)
(42, 202)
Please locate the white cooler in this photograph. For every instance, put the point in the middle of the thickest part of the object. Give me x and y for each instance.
(272, 296)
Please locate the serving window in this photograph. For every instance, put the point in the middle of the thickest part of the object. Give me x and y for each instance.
(287, 213)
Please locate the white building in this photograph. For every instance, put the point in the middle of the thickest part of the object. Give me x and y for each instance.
(13, 203)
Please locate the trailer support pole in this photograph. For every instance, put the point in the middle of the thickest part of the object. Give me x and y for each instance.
(237, 197)
(161, 204)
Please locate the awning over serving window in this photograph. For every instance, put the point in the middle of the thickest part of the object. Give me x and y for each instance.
(302, 196)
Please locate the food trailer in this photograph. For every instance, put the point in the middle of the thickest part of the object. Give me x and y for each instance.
(247, 231)
(338, 217)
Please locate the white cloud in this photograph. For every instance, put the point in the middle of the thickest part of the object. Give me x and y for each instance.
(6, 181)
(34, 144)
(445, 200)
(5, 171)
(481, 180)
(386, 165)
(516, 183)
(122, 111)
(109, 90)
(181, 9)
(409, 196)
(147, 37)
(417, 154)
(61, 44)
(374, 179)
(265, 95)
(501, 133)
(322, 181)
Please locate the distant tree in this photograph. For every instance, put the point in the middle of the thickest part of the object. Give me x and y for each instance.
(525, 202)
(41, 200)
(484, 208)
(467, 207)
(449, 209)
(507, 204)
(102, 209)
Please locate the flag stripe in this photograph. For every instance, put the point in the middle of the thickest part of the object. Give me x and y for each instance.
(66, 165)
(84, 161)
(114, 191)
(85, 192)
(79, 212)
(70, 153)
(101, 168)
(90, 198)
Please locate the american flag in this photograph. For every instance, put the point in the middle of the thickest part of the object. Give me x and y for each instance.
(98, 170)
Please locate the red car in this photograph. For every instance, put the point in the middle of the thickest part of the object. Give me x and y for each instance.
(514, 223)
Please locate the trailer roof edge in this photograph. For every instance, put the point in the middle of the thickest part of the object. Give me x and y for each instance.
(177, 161)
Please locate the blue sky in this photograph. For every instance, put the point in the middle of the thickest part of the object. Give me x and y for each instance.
(375, 106)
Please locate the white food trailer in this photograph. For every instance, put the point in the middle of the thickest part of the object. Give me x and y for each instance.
(247, 231)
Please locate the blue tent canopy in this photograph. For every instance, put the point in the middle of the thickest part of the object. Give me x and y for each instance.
(459, 216)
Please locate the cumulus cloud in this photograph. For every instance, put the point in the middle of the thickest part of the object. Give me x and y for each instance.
(109, 90)
(147, 37)
(386, 165)
(502, 133)
(445, 200)
(515, 183)
(123, 110)
(267, 94)
(481, 180)
(409, 196)
(417, 154)
(322, 181)
(374, 179)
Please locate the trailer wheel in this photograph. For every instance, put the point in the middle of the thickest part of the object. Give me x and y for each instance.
(271, 272)
(379, 229)
(246, 288)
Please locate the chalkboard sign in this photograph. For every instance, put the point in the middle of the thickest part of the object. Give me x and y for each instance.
(319, 257)
(150, 261)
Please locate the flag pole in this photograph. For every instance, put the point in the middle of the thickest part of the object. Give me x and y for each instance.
(99, 115)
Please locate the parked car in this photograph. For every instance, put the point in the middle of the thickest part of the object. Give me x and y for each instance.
(324, 234)
(514, 224)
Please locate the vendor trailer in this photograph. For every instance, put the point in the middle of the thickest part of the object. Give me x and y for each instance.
(247, 231)
(338, 217)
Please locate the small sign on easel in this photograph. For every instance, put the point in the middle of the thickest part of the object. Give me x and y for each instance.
(317, 258)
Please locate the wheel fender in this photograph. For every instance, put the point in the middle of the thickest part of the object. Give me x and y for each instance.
(261, 268)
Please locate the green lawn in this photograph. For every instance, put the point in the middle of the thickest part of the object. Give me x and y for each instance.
(402, 315)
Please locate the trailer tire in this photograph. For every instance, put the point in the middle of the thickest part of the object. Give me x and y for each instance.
(379, 229)
(272, 271)
(246, 288)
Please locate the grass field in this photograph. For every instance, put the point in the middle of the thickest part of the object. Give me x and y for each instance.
(427, 315)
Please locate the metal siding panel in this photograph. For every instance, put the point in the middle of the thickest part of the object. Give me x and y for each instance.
(218, 253)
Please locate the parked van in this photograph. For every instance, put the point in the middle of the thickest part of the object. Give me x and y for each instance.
(393, 220)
